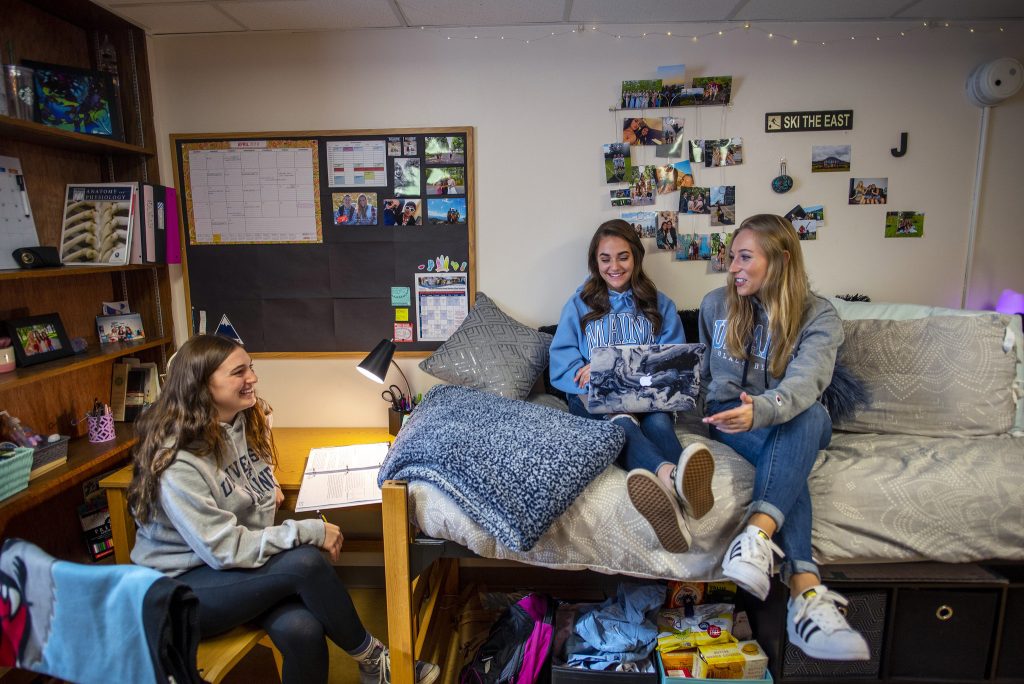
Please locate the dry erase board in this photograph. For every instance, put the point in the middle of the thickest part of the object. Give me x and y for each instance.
(326, 242)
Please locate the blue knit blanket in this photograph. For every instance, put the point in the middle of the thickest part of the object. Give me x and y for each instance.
(512, 466)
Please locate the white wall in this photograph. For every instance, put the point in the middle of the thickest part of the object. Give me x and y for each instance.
(541, 114)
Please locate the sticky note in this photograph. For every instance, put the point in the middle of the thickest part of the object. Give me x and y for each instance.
(401, 314)
(400, 296)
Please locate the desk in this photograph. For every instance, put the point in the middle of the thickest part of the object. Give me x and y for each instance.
(293, 445)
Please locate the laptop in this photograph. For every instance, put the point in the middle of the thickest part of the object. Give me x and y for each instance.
(645, 378)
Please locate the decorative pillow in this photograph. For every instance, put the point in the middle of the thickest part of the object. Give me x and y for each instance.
(511, 466)
(937, 376)
(491, 351)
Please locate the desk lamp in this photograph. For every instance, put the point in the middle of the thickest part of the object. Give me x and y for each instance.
(375, 366)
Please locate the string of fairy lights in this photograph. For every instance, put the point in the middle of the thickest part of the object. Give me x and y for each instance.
(935, 26)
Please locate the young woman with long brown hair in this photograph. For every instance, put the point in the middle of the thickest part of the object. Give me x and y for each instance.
(204, 496)
(771, 352)
(619, 304)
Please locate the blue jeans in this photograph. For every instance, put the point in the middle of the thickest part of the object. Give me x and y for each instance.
(783, 456)
(296, 596)
(648, 445)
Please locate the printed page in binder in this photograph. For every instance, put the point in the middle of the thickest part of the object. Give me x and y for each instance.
(341, 476)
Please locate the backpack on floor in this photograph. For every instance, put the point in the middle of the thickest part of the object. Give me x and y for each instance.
(518, 646)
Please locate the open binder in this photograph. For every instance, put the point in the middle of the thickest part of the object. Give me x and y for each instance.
(341, 476)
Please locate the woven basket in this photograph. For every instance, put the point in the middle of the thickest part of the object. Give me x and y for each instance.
(14, 472)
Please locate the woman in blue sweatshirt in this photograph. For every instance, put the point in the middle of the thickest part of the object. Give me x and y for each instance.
(618, 305)
(204, 495)
(771, 349)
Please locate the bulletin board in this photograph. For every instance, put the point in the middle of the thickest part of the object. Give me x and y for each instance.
(322, 243)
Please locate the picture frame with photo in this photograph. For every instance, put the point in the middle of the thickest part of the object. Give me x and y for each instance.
(120, 328)
(76, 100)
(37, 339)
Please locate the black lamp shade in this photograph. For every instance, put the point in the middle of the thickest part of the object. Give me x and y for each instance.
(375, 365)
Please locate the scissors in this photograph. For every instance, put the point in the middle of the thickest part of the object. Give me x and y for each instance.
(395, 395)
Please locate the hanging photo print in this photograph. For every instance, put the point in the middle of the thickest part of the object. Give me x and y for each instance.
(830, 158)
(720, 251)
(807, 229)
(642, 132)
(666, 234)
(672, 138)
(641, 94)
(901, 224)
(621, 197)
(618, 164)
(642, 185)
(694, 200)
(402, 212)
(666, 176)
(723, 205)
(869, 190)
(716, 90)
(684, 174)
(723, 152)
(642, 222)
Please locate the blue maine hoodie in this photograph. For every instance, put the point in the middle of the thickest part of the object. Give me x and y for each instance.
(624, 324)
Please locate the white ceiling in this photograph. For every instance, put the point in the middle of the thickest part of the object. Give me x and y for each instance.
(161, 17)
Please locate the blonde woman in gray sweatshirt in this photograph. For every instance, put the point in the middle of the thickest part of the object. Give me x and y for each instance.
(771, 352)
(204, 497)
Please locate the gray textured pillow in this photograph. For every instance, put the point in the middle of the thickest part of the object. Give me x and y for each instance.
(491, 351)
(937, 376)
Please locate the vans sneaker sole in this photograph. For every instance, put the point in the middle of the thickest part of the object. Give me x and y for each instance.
(657, 504)
(693, 480)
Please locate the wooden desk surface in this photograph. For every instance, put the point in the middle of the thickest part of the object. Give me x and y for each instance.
(293, 445)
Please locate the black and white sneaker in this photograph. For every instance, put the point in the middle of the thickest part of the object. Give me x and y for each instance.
(749, 561)
(817, 627)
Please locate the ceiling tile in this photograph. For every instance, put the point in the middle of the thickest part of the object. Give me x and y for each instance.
(196, 17)
(958, 9)
(291, 15)
(818, 10)
(651, 11)
(481, 12)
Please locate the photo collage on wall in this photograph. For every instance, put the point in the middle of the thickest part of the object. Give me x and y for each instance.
(654, 158)
(391, 182)
(408, 181)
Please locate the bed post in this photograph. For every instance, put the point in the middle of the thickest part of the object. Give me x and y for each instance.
(398, 583)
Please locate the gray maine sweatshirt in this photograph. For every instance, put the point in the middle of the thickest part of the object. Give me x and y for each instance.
(776, 400)
(218, 514)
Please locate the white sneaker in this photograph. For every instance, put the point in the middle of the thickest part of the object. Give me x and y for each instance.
(658, 505)
(749, 562)
(692, 480)
(815, 626)
(376, 669)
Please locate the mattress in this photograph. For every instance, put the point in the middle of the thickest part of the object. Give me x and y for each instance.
(877, 498)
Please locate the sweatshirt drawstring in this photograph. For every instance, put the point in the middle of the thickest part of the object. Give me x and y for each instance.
(746, 366)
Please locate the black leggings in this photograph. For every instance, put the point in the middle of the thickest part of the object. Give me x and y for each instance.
(306, 601)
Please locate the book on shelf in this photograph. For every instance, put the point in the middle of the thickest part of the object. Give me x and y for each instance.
(97, 223)
(48, 456)
(341, 476)
(135, 392)
(173, 241)
(149, 238)
(118, 390)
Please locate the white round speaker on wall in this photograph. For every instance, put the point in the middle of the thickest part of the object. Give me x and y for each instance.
(992, 82)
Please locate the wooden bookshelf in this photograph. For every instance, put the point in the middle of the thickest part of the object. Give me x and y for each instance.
(33, 132)
(69, 364)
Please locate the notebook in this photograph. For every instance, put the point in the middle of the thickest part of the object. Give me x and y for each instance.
(645, 378)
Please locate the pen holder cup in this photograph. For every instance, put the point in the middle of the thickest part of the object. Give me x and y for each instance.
(101, 428)
(396, 419)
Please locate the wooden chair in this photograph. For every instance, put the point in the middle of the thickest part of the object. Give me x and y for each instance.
(217, 655)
